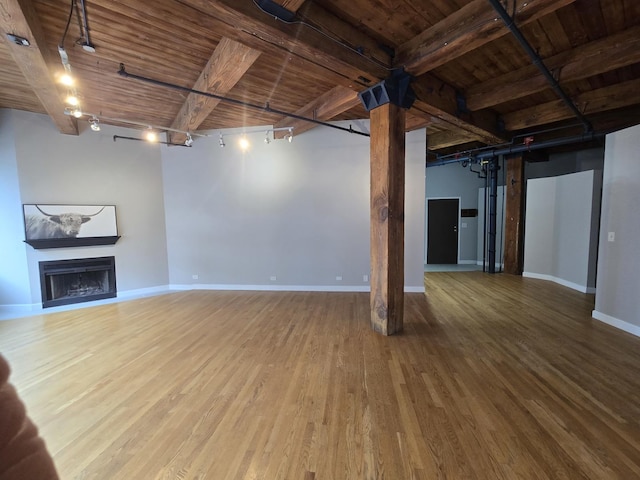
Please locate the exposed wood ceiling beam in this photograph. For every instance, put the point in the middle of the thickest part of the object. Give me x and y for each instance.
(602, 99)
(344, 32)
(291, 5)
(19, 17)
(585, 61)
(449, 138)
(437, 99)
(248, 24)
(415, 122)
(243, 21)
(468, 28)
(336, 101)
(228, 63)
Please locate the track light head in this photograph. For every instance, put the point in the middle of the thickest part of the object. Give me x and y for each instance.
(95, 123)
(221, 142)
(189, 141)
(266, 137)
(150, 135)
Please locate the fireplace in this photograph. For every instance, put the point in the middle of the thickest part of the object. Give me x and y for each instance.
(63, 282)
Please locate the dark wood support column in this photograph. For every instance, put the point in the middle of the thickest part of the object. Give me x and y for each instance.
(387, 218)
(514, 222)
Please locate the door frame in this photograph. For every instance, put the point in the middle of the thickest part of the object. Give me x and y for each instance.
(426, 225)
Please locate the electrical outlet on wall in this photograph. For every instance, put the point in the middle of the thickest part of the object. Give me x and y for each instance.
(273, 278)
(195, 276)
(612, 236)
(365, 278)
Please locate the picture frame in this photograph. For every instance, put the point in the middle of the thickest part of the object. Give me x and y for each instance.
(56, 225)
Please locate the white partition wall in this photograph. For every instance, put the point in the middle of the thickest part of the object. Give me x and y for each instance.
(561, 229)
(618, 284)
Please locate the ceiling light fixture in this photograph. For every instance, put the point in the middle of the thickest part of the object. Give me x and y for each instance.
(244, 143)
(72, 100)
(76, 112)
(221, 141)
(189, 141)
(18, 40)
(150, 135)
(267, 140)
(95, 123)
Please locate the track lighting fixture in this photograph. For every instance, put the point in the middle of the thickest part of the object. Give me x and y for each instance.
(67, 80)
(72, 100)
(189, 141)
(95, 123)
(244, 143)
(150, 135)
(76, 112)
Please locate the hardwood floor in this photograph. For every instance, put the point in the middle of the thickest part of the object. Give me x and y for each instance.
(494, 377)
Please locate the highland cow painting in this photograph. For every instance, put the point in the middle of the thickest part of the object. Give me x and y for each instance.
(49, 222)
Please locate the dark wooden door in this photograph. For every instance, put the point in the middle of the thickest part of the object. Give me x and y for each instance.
(442, 241)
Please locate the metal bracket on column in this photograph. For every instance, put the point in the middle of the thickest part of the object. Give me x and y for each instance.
(395, 89)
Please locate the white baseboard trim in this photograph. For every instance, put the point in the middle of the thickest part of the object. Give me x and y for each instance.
(617, 323)
(498, 265)
(8, 312)
(560, 281)
(144, 292)
(286, 288)
(468, 262)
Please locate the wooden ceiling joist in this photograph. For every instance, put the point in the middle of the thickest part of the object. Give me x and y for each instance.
(246, 20)
(333, 103)
(591, 59)
(468, 28)
(448, 138)
(437, 99)
(228, 63)
(19, 17)
(594, 101)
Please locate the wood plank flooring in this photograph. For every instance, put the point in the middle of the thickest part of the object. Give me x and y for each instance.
(494, 377)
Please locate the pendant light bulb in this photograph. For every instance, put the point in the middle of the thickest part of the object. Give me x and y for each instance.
(77, 113)
(72, 100)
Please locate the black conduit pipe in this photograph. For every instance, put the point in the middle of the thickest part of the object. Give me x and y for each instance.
(489, 153)
(122, 72)
(537, 61)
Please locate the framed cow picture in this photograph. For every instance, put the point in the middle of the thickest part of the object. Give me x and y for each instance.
(51, 226)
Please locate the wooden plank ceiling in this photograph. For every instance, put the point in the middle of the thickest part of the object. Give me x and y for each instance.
(474, 83)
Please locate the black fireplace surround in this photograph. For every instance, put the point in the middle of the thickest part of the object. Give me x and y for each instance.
(63, 282)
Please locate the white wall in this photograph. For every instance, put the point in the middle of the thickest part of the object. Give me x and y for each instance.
(14, 278)
(618, 284)
(93, 169)
(560, 240)
(298, 211)
(453, 181)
